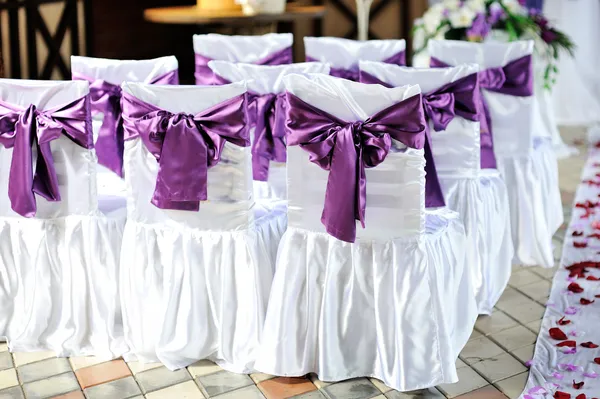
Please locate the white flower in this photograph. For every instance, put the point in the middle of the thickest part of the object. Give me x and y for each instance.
(514, 7)
(476, 5)
(462, 18)
(432, 19)
(452, 5)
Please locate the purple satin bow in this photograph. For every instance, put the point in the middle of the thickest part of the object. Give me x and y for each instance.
(185, 146)
(515, 79)
(106, 98)
(345, 149)
(21, 129)
(441, 106)
(354, 74)
(269, 135)
(205, 76)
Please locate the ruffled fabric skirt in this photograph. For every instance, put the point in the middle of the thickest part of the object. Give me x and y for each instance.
(482, 203)
(399, 310)
(546, 167)
(59, 285)
(188, 295)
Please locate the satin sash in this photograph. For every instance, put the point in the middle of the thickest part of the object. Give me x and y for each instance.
(23, 128)
(354, 74)
(106, 98)
(205, 76)
(345, 149)
(515, 79)
(441, 106)
(185, 146)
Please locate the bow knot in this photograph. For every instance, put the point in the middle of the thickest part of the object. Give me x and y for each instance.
(439, 108)
(269, 134)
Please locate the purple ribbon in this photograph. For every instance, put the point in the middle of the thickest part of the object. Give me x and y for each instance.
(23, 128)
(106, 98)
(441, 106)
(205, 76)
(354, 74)
(268, 112)
(185, 145)
(515, 79)
(345, 149)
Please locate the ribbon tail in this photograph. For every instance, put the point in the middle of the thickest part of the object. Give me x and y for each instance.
(109, 146)
(45, 181)
(361, 192)
(488, 158)
(434, 196)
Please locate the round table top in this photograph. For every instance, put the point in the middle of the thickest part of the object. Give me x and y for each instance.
(198, 16)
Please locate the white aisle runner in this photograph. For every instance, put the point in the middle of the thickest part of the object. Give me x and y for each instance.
(566, 364)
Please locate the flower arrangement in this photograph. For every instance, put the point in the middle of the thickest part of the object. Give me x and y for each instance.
(476, 20)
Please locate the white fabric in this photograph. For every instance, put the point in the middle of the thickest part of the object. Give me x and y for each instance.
(345, 53)
(396, 305)
(247, 49)
(59, 285)
(583, 327)
(265, 79)
(195, 284)
(478, 196)
(529, 177)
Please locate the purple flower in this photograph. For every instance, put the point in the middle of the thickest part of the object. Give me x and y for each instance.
(548, 36)
(479, 29)
(496, 13)
(445, 13)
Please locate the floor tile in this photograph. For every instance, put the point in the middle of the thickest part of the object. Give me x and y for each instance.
(495, 322)
(318, 383)
(185, 390)
(222, 382)
(203, 367)
(22, 358)
(260, 377)
(43, 369)
(138, 367)
(544, 272)
(101, 373)
(459, 363)
(513, 386)
(537, 290)
(53, 386)
(526, 312)
(380, 385)
(71, 395)
(285, 387)
(499, 367)
(118, 389)
(12, 393)
(8, 378)
(474, 335)
(3, 347)
(468, 380)
(423, 394)
(511, 297)
(80, 362)
(251, 392)
(159, 378)
(525, 353)
(514, 338)
(319, 395)
(6, 361)
(535, 326)
(480, 349)
(488, 392)
(358, 388)
(523, 277)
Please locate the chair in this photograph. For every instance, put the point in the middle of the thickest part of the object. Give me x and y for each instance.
(478, 195)
(58, 254)
(105, 77)
(343, 54)
(269, 49)
(380, 301)
(528, 169)
(267, 103)
(200, 259)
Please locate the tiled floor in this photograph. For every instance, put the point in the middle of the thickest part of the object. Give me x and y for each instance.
(491, 366)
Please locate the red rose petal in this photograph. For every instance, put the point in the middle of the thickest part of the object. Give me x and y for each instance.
(563, 322)
(578, 385)
(577, 233)
(585, 301)
(570, 344)
(595, 235)
(597, 296)
(592, 278)
(580, 244)
(556, 333)
(561, 395)
(576, 288)
(581, 396)
(589, 344)
(597, 360)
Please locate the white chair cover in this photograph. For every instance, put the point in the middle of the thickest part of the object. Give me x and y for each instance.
(247, 49)
(396, 305)
(59, 284)
(345, 53)
(529, 169)
(195, 284)
(479, 196)
(266, 79)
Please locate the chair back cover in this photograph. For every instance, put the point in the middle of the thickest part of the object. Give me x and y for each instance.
(118, 71)
(229, 182)
(344, 54)
(395, 202)
(269, 49)
(455, 149)
(74, 164)
(511, 115)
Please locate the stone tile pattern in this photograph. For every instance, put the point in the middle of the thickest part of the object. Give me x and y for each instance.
(491, 366)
